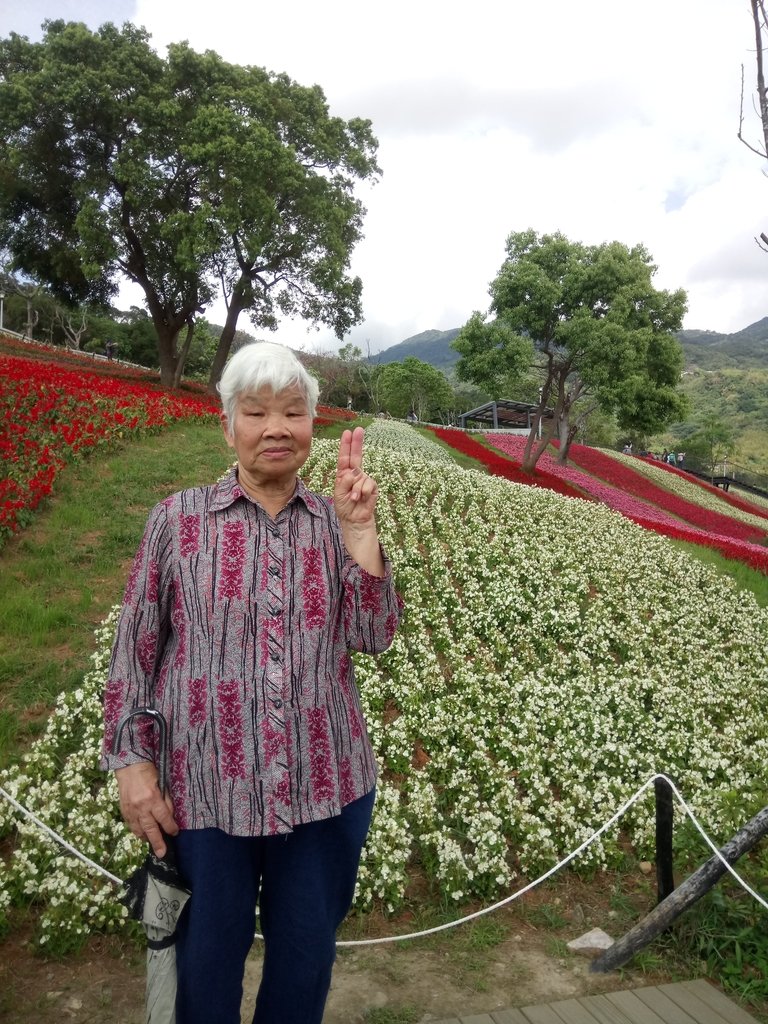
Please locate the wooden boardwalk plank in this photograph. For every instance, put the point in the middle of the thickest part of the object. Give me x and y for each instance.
(688, 1002)
(696, 1001)
(635, 1009)
(573, 1011)
(604, 1012)
(511, 1016)
(727, 1009)
(661, 1004)
(541, 1015)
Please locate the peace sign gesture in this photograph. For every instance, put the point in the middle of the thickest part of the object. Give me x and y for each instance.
(354, 498)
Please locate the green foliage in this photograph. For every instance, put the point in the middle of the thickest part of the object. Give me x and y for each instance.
(737, 396)
(177, 173)
(392, 1015)
(726, 930)
(414, 387)
(341, 377)
(493, 356)
(596, 328)
(710, 443)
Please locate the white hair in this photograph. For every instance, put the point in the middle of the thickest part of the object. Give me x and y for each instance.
(264, 364)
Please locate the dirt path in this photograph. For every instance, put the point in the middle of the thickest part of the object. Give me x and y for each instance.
(515, 956)
(499, 962)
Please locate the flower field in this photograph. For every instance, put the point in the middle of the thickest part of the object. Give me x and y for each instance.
(54, 412)
(51, 414)
(554, 655)
(602, 477)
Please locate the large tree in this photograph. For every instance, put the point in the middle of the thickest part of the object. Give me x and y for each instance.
(589, 323)
(414, 387)
(181, 174)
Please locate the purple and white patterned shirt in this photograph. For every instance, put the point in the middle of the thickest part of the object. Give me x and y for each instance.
(238, 628)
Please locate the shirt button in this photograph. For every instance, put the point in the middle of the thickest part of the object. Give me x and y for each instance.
(277, 703)
(275, 657)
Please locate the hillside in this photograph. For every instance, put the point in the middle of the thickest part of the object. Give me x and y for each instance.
(433, 347)
(726, 375)
(745, 349)
(704, 350)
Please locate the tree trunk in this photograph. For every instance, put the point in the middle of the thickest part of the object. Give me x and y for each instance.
(236, 306)
(533, 451)
(30, 324)
(563, 436)
(182, 359)
(166, 352)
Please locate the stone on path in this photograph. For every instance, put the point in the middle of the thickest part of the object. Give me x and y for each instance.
(591, 942)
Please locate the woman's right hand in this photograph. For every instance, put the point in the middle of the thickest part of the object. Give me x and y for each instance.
(145, 811)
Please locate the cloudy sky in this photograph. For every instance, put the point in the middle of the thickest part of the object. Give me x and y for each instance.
(601, 119)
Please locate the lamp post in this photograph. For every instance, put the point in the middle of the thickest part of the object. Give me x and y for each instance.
(2, 297)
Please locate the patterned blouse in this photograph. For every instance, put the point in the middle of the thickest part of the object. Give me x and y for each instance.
(238, 628)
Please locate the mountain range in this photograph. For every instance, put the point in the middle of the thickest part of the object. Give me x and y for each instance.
(704, 350)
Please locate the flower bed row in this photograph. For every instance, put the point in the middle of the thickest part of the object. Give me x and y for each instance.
(467, 445)
(640, 512)
(627, 479)
(50, 415)
(674, 478)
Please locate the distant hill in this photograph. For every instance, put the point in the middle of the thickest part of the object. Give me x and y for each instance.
(433, 347)
(743, 350)
(704, 350)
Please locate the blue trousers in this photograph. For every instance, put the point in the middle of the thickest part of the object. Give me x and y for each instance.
(304, 883)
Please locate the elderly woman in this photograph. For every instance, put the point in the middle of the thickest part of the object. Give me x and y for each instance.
(243, 604)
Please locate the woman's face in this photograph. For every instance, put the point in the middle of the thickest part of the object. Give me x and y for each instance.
(271, 435)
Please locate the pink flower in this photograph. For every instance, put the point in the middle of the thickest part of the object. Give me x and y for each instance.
(320, 755)
(232, 559)
(230, 729)
(198, 701)
(146, 649)
(272, 742)
(346, 781)
(370, 594)
(189, 533)
(313, 589)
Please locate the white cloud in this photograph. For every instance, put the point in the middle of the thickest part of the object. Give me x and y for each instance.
(600, 119)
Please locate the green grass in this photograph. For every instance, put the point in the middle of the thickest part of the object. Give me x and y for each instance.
(465, 461)
(69, 566)
(392, 1015)
(753, 580)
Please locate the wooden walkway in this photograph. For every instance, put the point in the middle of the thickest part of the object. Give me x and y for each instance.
(687, 1002)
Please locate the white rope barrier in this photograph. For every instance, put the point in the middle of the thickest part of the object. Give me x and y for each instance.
(478, 913)
(60, 839)
(561, 864)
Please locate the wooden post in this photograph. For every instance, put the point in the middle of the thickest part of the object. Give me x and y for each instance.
(686, 894)
(665, 877)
